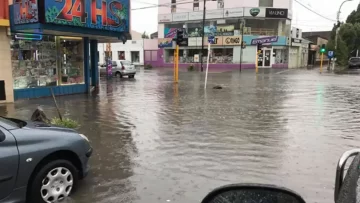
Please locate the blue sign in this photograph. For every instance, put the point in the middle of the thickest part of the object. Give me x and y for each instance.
(330, 54)
(211, 40)
(112, 15)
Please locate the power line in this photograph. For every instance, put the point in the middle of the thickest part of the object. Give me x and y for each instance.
(314, 11)
(164, 5)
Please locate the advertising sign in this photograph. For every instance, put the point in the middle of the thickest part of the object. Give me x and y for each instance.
(276, 13)
(26, 11)
(184, 43)
(110, 15)
(171, 32)
(164, 18)
(218, 40)
(254, 12)
(180, 16)
(234, 40)
(210, 14)
(194, 41)
(195, 32)
(233, 12)
(165, 42)
(225, 28)
(264, 40)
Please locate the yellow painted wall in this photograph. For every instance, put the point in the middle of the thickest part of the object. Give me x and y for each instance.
(6, 68)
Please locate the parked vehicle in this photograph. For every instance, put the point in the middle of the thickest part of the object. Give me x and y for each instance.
(120, 68)
(40, 163)
(354, 62)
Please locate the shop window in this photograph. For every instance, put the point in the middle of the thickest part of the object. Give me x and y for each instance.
(265, 3)
(34, 63)
(121, 55)
(72, 63)
(224, 55)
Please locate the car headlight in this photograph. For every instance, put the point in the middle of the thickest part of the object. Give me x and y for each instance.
(85, 138)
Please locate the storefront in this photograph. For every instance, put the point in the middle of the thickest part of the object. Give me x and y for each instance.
(226, 53)
(54, 43)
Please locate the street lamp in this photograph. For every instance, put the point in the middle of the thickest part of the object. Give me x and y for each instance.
(338, 28)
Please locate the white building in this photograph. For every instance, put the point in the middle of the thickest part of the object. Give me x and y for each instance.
(132, 50)
(265, 21)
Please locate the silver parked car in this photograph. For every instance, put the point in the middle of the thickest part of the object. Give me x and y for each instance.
(40, 163)
(120, 68)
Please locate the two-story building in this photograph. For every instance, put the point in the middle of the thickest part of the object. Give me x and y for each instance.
(6, 80)
(254, 21)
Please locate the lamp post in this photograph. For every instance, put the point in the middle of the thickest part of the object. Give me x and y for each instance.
(338, 28)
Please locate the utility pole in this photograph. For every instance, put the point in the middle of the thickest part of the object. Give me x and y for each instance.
(242, 41)
(203, 36)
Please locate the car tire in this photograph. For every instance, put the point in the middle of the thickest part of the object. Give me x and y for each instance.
(63, 186)
(118, 74)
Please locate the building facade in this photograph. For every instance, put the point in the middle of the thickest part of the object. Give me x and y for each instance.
(6, 80)
(253, 21)
(54, 46)
(132, 50)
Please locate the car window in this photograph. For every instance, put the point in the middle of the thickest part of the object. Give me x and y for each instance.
(114, 63)
(126, 63)
(9, 121)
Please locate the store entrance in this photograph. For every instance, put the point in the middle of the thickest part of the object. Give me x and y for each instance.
(264, 59)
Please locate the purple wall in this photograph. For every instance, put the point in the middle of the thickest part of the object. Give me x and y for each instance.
(154, 58)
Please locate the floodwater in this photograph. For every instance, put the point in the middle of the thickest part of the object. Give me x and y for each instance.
(158, 142)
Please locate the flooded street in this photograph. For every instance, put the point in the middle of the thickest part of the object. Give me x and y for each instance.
(157, 142)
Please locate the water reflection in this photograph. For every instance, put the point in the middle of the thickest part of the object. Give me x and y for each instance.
(156, 141)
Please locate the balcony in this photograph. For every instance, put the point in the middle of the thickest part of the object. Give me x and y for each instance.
(4, 13)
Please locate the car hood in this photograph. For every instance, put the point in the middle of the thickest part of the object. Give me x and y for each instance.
(46, 127)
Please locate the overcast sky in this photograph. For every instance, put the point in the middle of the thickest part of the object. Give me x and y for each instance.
(146, 19)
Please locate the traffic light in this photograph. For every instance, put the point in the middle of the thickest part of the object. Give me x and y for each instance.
(179, 36)
(322, 49)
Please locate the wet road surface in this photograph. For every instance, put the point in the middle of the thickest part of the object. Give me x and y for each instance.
(156, 142)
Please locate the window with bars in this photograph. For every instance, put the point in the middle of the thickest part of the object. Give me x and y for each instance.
(196, 5)
(220, 3)
(173, 6)
(266, 3)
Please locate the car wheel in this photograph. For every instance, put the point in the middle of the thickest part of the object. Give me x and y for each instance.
(54, 182)
(118, 74)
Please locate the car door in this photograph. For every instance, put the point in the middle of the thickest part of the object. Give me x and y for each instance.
(9, 161)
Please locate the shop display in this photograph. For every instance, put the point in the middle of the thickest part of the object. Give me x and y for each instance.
(72, 63)
(34, 63)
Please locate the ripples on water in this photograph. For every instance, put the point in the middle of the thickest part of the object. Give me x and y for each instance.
(155, 141)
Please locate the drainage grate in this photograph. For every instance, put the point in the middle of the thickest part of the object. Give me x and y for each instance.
(2, 90)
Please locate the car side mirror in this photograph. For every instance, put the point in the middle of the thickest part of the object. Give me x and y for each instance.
(252, 193)
(2, 136)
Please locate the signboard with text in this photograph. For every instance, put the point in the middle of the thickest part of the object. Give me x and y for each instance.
(233, 40)
(25, 11)
(264, 40)
(276, 13)
(112, 15)
(165, 42)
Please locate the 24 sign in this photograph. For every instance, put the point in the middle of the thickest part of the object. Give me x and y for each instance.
(98, 14)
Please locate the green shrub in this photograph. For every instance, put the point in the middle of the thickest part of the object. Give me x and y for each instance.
(148, 66)
(65, 122)
(191, 68)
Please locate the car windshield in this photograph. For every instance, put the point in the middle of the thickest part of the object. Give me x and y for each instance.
(13, 122)
(355, 59)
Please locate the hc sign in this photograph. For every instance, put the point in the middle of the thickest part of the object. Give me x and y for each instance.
(211, 40)
(330, 54)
